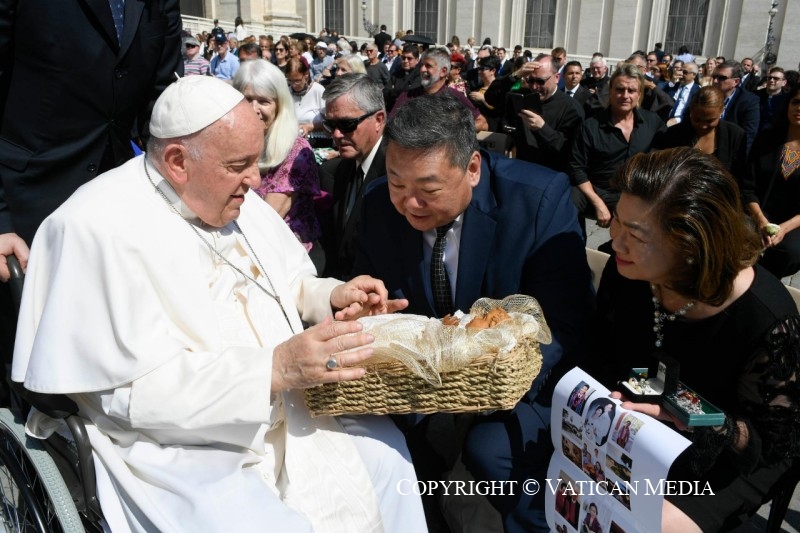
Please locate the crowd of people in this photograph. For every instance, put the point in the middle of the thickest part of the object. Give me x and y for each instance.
(228, 262)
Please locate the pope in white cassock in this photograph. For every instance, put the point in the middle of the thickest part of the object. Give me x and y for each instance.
(167, 300)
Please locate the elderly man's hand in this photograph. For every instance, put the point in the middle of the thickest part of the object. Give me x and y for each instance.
(531, 120)
(363, 296)
(11, 243)
(318, 355)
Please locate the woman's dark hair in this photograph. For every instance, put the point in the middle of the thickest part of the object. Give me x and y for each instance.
(699, 207)
(490, 63)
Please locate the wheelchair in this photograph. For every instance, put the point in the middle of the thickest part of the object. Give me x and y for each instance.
(45, 485)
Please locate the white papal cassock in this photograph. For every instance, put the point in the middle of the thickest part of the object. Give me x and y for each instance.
(168, 352)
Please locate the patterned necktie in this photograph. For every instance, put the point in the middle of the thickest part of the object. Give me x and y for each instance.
(677, 102)
(440, 281)
(118, 12)
(725, 108)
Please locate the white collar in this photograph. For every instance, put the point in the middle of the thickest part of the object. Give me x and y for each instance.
(367, 162)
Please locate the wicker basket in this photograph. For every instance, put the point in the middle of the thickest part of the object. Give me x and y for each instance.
(488, 383)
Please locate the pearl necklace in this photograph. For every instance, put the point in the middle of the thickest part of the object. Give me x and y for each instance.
(660, 315)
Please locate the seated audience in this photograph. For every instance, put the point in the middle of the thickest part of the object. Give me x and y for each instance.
(607, 140)
(708, 72)
(189, 356)
(281, 56)
(307, 98)
(545, 138)
(772, 192)
(683, 93)
(573, 71)
(596, 82)
(487, 70)
(741, 106)
(454, 79)
(684, 283)
(653, 99)
(772, 98)
(434, 65)
(705, 131)
(289, 180)
(375, 68)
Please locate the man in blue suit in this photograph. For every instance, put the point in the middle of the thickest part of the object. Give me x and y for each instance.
(741, 106)
(683, 93)
(507, 227)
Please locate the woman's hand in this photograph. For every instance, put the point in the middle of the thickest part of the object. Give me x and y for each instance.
(651, 409)
(363, 296)
(477, 96)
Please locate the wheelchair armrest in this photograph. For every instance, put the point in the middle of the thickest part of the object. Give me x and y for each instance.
(86, 463)
(16, 280)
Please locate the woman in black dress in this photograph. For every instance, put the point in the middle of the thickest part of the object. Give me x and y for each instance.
(706, 131)
(682, 281)
(772, 190)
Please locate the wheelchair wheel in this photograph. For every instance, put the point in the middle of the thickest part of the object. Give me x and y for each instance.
(33, 496)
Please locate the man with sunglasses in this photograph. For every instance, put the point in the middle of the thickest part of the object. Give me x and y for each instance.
(545, 133)
(741, 106)
(772, 98)
(354, 117)
(194, 64)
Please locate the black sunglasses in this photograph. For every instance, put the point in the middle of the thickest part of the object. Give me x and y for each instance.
(538, 81)
(345, 125)
(720, 77)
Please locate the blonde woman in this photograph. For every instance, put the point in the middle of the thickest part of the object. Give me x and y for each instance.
(289, 179)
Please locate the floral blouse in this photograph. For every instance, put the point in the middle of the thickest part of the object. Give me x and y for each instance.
(298, 175)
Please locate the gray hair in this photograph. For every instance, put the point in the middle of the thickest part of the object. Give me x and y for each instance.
(363, 91)
(692, 66)
(440, 55)
(431, 123)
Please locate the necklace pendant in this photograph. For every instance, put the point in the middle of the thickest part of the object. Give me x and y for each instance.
(658, 344)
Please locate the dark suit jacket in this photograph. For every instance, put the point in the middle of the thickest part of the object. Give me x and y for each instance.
(71, 94)
(382, 38)
(730, 140)
(744, 111)
(549, 146)
(339, 233)
(519, 235)
(751, 82)
(673, 93)
(581, 95)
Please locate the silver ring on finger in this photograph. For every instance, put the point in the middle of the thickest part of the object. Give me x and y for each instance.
(332, 363)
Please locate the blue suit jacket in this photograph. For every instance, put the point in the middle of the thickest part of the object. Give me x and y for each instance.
(520, 235)
(744, 111)
(674, 94)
